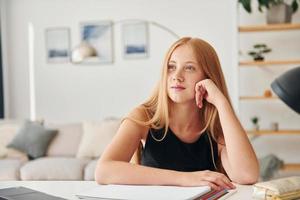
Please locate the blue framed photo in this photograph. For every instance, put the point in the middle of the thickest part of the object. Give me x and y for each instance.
(99, 36)
(135, 40)
(58, 45)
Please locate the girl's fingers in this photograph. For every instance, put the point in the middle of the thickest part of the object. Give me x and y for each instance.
(210, 184)
(201, 90)
(204, 93)
(200, 101)
(217, 181)
(197, 97)
(220, 180)
(227, 183)
(224, 179)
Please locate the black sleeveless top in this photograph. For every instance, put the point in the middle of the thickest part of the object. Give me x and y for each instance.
(171, 153)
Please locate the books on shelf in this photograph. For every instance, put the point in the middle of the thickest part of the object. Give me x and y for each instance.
(137, 192)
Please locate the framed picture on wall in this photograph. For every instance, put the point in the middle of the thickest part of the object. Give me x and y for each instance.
(98, 36)
(135, 39)
(58, 45)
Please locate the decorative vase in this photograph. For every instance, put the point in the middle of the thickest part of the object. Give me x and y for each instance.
(279, 14)
(255, 127)
(274, 126)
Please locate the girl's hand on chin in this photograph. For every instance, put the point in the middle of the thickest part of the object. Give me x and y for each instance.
(206, 89)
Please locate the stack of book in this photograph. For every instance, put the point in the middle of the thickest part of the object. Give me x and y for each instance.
(279, 189)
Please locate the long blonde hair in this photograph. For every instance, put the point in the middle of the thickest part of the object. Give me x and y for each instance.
(157, 106)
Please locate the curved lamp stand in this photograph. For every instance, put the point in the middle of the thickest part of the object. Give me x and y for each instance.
(85, 50)
(287, 87)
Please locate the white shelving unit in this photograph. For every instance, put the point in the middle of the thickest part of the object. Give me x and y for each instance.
(248, 64)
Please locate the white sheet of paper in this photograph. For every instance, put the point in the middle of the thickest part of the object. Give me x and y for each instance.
(138, 192)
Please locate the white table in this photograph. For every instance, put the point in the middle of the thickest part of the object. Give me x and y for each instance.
(68, 189)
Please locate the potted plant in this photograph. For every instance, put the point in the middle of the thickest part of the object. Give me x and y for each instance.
(259, 50)
(277, 10)
(255, 121)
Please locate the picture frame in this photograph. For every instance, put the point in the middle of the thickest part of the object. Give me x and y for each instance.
(135, 40)
(58, 45)
(99, 36)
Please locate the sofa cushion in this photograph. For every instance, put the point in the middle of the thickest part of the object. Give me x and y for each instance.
(96, 136)
(66, 142)
(15, 154)
(9, 169)
(53, 168)
(33, 139)
(8, 129)
(89, 171)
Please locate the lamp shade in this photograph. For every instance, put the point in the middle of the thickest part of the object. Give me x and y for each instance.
(287, 88)
(82, 51)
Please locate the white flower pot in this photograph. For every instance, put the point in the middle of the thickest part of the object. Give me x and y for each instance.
(278, 14)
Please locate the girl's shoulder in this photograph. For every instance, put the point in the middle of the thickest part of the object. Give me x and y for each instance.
(139, 117)
(139, 113)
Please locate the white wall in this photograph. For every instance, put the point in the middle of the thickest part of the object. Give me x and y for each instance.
(67, 92)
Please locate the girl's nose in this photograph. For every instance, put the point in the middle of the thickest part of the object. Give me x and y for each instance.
(178, 77)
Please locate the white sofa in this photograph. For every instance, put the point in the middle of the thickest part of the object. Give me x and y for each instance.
(71, 155)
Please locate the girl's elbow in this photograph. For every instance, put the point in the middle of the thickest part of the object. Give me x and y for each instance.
(99, 179)
(100, 174)
(250, 175)
(247, 178)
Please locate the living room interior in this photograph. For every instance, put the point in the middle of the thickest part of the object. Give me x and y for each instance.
(78, 101)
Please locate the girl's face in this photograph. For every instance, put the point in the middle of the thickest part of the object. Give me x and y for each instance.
(183, 73)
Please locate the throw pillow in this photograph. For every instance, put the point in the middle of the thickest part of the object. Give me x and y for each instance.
(8, 129)
(96, 136)
(65, 143)
(33, 139)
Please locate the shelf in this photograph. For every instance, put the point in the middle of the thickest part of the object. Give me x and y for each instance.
(269, 27)
(265, 63)
(268, 64)
(291, 167)
(271, 132)
(258, 98)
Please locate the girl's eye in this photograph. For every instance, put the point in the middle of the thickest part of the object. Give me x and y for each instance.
(190, 68)
(171, 67)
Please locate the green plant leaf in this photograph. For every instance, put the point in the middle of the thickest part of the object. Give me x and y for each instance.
(294, 6)
(252, 53)
(266, 50)
(263, 3)
(246, 4)
(257, 46)
(254, 120)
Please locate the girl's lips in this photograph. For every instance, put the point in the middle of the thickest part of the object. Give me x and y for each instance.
(178, 88)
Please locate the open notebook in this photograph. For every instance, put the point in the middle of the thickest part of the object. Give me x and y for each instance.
(138, 192)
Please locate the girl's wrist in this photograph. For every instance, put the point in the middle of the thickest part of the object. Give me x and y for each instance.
(221, 103)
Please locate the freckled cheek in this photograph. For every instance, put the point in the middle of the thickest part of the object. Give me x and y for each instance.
(168, 83)
(168, 86)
